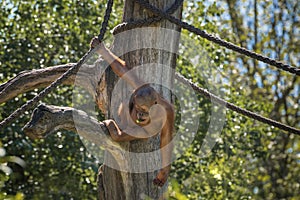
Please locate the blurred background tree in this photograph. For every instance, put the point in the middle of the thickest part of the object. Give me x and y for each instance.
(249, 161)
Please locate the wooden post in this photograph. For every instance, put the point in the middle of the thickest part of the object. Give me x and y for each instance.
(147, 49)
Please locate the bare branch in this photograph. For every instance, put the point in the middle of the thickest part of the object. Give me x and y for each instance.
(89, 77)
(47, 119)
(30, 80)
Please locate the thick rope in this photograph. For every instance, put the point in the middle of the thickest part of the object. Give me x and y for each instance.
(105, 20)
(125, 26)
(62, 78)
(237, 109)
(217, 40)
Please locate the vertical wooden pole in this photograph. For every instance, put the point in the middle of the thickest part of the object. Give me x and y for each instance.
(113, 184)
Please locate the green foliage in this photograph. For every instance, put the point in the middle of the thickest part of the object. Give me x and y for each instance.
(5, 172)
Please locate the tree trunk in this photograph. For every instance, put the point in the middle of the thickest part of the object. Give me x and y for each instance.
(152, 52)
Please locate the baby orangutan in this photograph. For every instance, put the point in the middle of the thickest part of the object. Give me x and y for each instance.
(147, 114)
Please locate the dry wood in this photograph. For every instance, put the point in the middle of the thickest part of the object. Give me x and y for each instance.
(47, 119)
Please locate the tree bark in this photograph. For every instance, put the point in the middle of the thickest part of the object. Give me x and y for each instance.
(47, 119)
(88, 77)
(30, 80)
(147, 49)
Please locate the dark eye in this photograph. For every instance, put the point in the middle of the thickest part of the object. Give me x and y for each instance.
(155, 102)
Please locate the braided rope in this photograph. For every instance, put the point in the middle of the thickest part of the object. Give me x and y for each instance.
(29, 104)
(237, 109)
(105, 20)
(125, 26)
(217, 40)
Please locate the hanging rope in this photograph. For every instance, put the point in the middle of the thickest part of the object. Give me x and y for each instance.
(237, 109)
(62, 78)
(217, 40)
